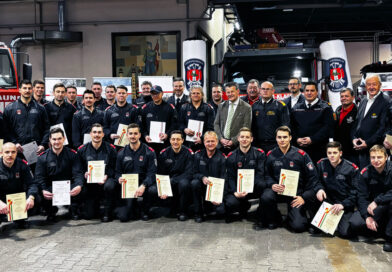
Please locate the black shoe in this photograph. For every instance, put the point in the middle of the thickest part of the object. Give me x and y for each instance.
(51, 218)
(272, 226)
(312, 230)
(145, 217)
(258, 226)
(387, 246)
(198, 219)
(106, 219)
(182, 217)
(75, 216)
(22, 224)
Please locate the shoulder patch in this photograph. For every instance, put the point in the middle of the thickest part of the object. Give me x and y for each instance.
(191, 151)
(300, 151)
(25, 162)
(281, 102)
(40, 154)
(320, 160)
(112, 145)
(144, 106)
(228, 155)
(269, 152)
(151, 149)
(76, 112)
(108, 108)
(261, 150)
(74, 151)
(355, 166)
(133, 105)
(363, 170)
(210, 106)
(172, 106)
(198, 151)
(80, 147)
(163, 150)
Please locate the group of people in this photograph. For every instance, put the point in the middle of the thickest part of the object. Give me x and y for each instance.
(300, 133)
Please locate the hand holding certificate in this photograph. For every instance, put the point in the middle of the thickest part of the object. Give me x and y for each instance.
(215, 188)
(156, 130)
(30, 152)
(289, 179)
(16, 206)
(197, 127)
(122, 132)
(163, 185)
(61, 193)
(245, 180)
(325, 220)
(130, 185)
(96, 171)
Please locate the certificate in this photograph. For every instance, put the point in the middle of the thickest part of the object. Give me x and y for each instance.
(157, 129)
(96, 170)
(61, 125)
(197, 127)
(16, 206)
(122, 132)
(245, 180)
(214, 191)
(289, 179)
(129, 187)
(30, 152)
(326, 220)
(61, 193)
(1, 145)
(163, 185)
(86, 138)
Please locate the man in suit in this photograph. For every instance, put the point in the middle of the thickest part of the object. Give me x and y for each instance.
(371, 122)
(296, 96)
(178, 98)
(232, 115)
(252, 90)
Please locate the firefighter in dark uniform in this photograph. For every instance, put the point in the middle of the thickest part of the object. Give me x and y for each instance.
(98, 150)
(312, 123)
(135, 158)
(15, 177)
(196, 110)
(375, 197)
(100, 103)
(208, 162)
(160, 111)
(372, 119)
(267, 115)
(337, 180)
(216, 94)
(178, 98)
(39, 92)
(120, 113)
(345, 119)
(243, 157)
(145, 95)
(176, 161)
(60, 112)
(59, 163)
(72, 95)
(26, 121)
(252, 90)
(84, 119)
(285, 156)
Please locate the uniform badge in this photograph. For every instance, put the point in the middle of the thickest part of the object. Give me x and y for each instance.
(149, 115)
(127, 114)
(188, 113)
(310, 166)
(325, 174)
(17, 175)
(18, 112)
(337, 74)
(270, 113)
(374, 115)
(239, 164)
(350, 120)
(257, 113)
(291, 164)
(141, 158)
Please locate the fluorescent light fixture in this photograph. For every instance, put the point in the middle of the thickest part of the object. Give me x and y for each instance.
(288, 10)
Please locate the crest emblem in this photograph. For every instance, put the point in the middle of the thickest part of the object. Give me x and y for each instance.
(127, 114)
(17, 175)
(18, 112)
(337, 74)
(291, 164)
(325, 174)
(194, 72)
(188, 113)
(239, 164)
(141, 158)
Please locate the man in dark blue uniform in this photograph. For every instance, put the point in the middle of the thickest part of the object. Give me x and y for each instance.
(243, 157)
(59, 163)
(98, 150)
(100, 102)
(135, 158)
(145, 95)
(252, 90)
(337, 180)
(267, 115)
(178, 98)
(39, 92)
(199, 111)
(312, 123)
(216, 94)
(85, 118)
(208, 162)
(72, 95)
(26, 121)
(286, 156)
(60, 112)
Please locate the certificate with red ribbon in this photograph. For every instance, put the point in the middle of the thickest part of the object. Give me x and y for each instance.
(16, 206)
(96, 171)
(289, 179)
(130, 185)
(122, 132)
(325, 220)
(214, 192)
(245, 180)
(163, 185)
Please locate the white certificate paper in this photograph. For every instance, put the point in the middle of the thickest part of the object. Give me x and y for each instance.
(61, 125)
(1, 145)
(30, 152)
(214, 192)
(122, 132)
(86, 138)
(163, 185)
(17, 206)
(61, 192)
(325, 220)
(245, 180)
(157, 129)
(197, 127)
(96, 170)
(289, 179)
(130, 186)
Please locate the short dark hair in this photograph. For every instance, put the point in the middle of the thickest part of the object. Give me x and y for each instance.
(146, 82)
(122, 87)
(88, 92)
(71, 87)
(25, 82)
(232, 84)
(96, 83)
(98, 125)
(178, 79)
(176, 132)
(133, 125)
(57, 85)
(37, 81)
(295, 78)
(311, 83)
(217, 85)
(347, 90)
(56, 130)
(283, 128)
(112, 87)
(334, 144)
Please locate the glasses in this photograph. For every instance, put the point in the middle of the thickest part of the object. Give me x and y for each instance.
(293, 84)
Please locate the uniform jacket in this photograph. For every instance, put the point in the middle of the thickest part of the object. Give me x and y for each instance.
(204, 113)
(176, 165)
(203, 166)
(287, 101)
(101, 104)
(115, 115)
(82, 122)
(172, 100)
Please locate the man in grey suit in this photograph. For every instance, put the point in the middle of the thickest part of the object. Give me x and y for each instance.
(232, 115)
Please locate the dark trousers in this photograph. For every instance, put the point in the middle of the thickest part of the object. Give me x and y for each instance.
(363, 158)
(383, 217)
(200, 205)
(315, 151)
(95, 193)
(74, 208)
(182, 194)
(296, 217)
(129, 208)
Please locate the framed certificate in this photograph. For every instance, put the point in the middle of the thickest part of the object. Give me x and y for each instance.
(245, 180)
(122, 132)
(325, 220)
(289, 179)
(214, 191)
(163, 185)
(16, 206)
(96, 170)
(129, 187)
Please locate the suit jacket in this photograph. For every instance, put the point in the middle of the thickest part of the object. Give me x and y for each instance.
(242, 118)
(287, 101)
(172, 100)
(343, 131)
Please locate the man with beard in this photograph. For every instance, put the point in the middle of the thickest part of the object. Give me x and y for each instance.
(146, 95)
(252, 90)
(72, 97)
(178, 98)
(100, 102)
(296, 96)
(216, 94)
(39, 92)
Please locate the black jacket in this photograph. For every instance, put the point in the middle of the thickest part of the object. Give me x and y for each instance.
(204, 113)
(82, 122)
(142, 161)
(344, 131)
(143, 100)
(203, 166)
(176, 165)
(101, 104)
(338, 183)
(287, 101)
(172, 100)
(26, 123)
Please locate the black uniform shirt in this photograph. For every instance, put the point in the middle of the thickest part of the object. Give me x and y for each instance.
(82, 122)
(143, 100)
(176, 165)
(102, 104)
(163, 112)
(203, 166)
(203, 113)
(116, 115)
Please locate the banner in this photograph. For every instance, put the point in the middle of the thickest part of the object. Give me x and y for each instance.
(194, 64)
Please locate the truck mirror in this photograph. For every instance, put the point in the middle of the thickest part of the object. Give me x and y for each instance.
(27, 71)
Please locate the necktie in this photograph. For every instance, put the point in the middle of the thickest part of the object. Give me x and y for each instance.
(178, 104)
(228, 121)
(309, 105)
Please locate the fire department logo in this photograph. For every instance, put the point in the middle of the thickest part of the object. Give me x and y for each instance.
(194, 72)
(18, 112)
(17, 175)
(291, 164)
(188, 113)
(141, 158)
(239, 164)
(337, 74)
(127, 114)
(325, 174)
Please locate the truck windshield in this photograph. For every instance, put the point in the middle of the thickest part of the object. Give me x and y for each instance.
(7, 73)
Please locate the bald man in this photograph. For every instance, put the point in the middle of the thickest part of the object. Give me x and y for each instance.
(15, 177)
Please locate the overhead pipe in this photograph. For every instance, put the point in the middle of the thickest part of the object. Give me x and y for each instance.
(15, 44)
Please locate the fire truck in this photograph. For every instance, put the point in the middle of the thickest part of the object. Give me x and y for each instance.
(9, 85)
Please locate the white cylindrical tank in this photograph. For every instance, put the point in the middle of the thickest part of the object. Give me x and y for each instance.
(194, 64)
